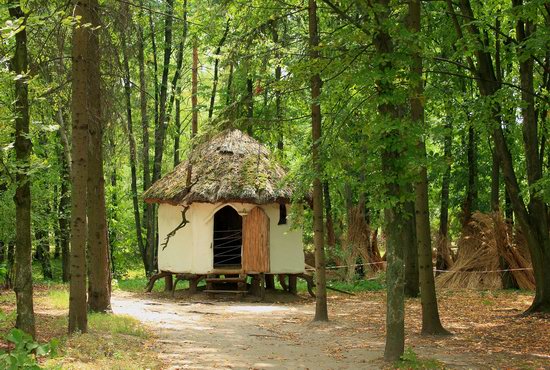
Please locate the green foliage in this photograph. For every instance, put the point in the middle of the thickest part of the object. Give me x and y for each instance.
(410, 360)
(361, 285)
(26, 351)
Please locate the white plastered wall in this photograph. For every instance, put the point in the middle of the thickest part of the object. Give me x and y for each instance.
(190, 249)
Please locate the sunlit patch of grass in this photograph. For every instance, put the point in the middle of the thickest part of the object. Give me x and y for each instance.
(116, 324)
(112, 342)
(135, 281)
(57, 298)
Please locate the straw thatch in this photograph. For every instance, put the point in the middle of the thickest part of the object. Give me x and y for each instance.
(230, 167)
(485, 244)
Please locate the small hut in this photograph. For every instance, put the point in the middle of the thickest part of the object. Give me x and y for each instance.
(222, 214)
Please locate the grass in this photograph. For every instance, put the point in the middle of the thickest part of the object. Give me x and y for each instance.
(56, 298)
(112, 341)
(117, 324)
(410, 360)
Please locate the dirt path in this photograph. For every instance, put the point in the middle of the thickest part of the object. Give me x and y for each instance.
(234, 335)
(199, 333)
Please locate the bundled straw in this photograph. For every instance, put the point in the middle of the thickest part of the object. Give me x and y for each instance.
(485, 244)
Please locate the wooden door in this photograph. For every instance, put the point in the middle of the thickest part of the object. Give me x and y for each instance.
(256, 241)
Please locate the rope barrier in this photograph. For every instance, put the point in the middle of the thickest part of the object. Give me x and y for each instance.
(436, 270)
(486, 271)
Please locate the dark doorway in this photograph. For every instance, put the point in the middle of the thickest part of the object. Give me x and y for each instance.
(228, 238)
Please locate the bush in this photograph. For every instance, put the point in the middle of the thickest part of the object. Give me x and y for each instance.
(26, 351)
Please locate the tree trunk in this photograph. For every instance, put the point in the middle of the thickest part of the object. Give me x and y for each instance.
(176, 89)
(10, 266)
(443, 256)
(56, 231)
(331, 236)
(149, 210)
(131, 140)
(431, 324)
(43, 251)
(178, 131)
(412, 288)
(64, 217)
(278, 105)
(23, 260)
(194, 91)
(216, 71)
(395, 218)
(229, 90)
(78, 320)
(321, 310)
(160, 129)
(495, 182)
(99, 282)
(249, 106)
(470, 203)
(113, 237)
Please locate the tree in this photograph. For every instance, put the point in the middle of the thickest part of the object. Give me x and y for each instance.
(99, 284)
(78, 320)
(431, 324)
(395, 214)
(23, 261)
(321, 310)
(533, 216)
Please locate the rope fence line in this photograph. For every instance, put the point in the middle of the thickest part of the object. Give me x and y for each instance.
(435, 270)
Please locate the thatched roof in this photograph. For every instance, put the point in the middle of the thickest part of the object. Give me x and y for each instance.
(230, 167)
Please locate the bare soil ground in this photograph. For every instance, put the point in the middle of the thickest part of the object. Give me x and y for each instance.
(195, 332)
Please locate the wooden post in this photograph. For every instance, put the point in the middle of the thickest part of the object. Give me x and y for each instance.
(193, 284)
(168, 283)
(262, 285)
(270, 282)
(282, 281)
(292, 283)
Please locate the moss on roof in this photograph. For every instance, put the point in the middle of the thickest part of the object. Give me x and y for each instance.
(231, 166)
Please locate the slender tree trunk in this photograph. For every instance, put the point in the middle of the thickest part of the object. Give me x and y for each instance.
(495, 182)
(64, 217)
(216, 71)
(113, 237)
(131, 139)
(331, 237)
(278, 100)
(99, 282)
(149, 210)
(10, 266)
(431, 324)
(23, 260)
(194, 91)
(43, 250)
(249, 106)
(178, 132)
(443, 257)
(160, 129)
(470, 203)
(321, 310)
(229, 90)
(412, 282)
(78, 320)
(56, 231)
